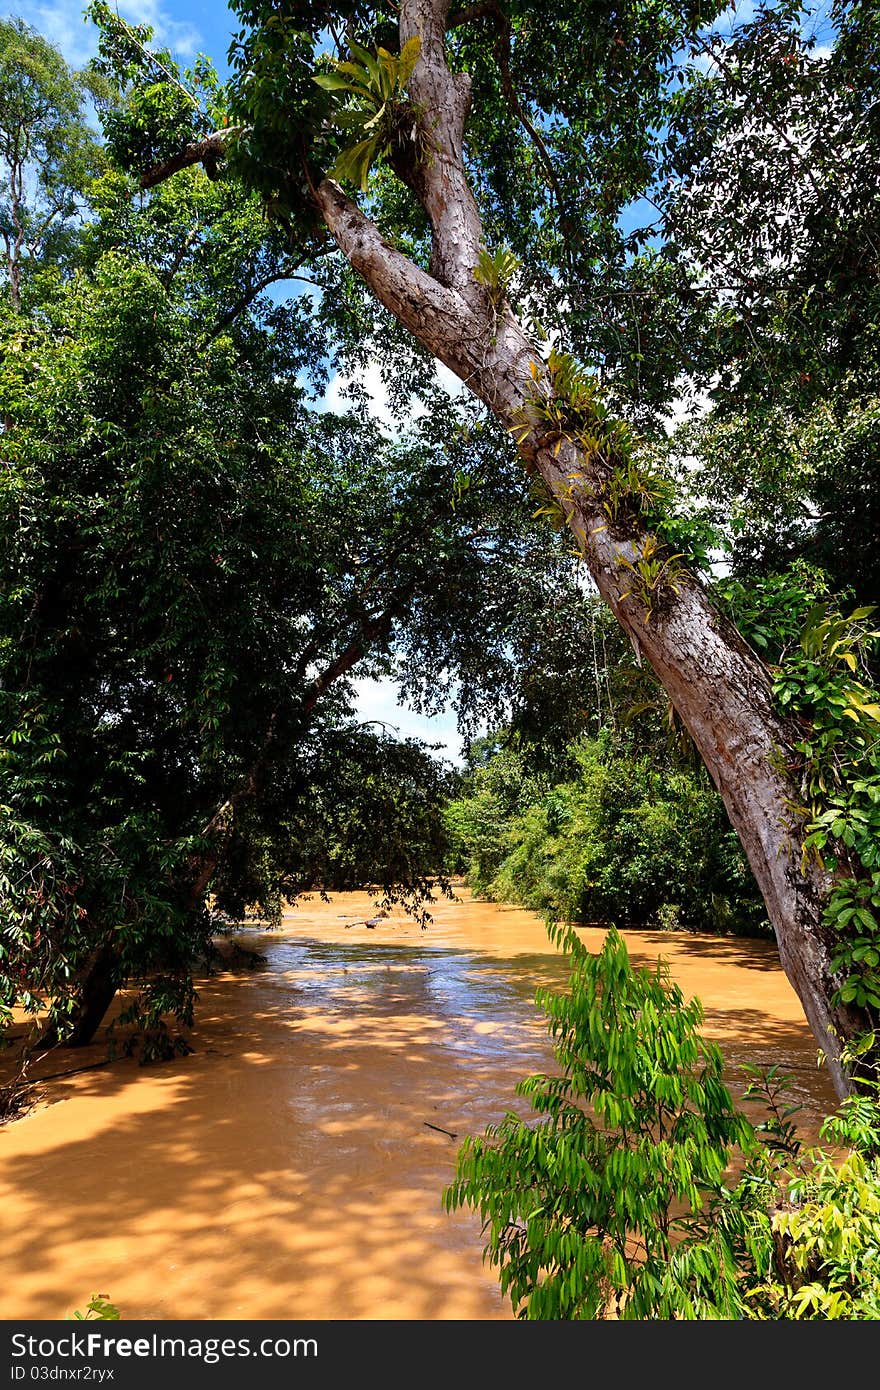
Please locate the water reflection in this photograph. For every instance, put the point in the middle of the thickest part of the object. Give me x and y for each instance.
(287, 1168)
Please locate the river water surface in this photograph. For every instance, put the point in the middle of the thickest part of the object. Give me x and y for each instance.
(289, 1168)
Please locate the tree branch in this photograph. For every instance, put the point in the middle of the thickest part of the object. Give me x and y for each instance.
(441, 101)
(177, 262)
(434, 313)
(502, 50)
(208, 151)
(245, 300)
(502, 54)
(490, 10)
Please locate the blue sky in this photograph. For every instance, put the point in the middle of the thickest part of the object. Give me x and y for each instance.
(188, 27)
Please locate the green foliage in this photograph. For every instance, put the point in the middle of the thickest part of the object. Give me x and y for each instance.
(375, 88)
(631, 492)
(654, 573)
(840, 780)
(281, 114)
(495, 271)
(615, 1196)
(631, 485)
(815, 1213)
(770, 610)
(557, 208)
(370, 812)
(593, 83)
(831, 1241)
(193, 562)
(602, 1203)
(151, 108)
(768, 192)
(823, 666)
(617, 840)
(770, 226)
(568, 406)
(793, 481)
(479, 821)
(47, 152)
(98, 1309)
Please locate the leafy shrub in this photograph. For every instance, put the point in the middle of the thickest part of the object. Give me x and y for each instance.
(616, 842)
(98, 1309)
(601, 1205)
(478, 822)
(818, 1255)
(614, 1197)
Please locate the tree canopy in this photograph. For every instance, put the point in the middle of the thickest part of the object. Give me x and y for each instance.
(196, 560)
(686, 212)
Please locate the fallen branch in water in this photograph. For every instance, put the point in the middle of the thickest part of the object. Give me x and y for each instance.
(74, 1071)
(439, 1129)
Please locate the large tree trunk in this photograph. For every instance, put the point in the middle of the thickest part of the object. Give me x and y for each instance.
(718, 685)
(97, 992)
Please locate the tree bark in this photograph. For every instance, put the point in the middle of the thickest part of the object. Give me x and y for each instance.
(208, 152)
(97, 992)
(718, 685)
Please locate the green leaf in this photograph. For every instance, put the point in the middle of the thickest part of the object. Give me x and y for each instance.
(332, 82)
(409, 56)
(354, 164)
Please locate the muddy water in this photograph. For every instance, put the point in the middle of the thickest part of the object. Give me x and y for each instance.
(288, 1168)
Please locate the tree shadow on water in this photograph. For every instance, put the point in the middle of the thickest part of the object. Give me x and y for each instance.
(286, 1169)
(292, 1167)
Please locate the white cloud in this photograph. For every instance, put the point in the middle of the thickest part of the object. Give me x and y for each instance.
(180, 36)
(62, 24)
(336, 399)
(377, 702)
(687, 404)
(61, 21)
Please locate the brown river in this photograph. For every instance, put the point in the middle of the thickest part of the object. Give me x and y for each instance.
(289, 1168)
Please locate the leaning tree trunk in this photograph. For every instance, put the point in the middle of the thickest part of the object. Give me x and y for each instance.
(97, 990)
(104, 973)
(718, 685)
